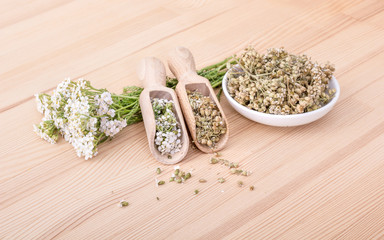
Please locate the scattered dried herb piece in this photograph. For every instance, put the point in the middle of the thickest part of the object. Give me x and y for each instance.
(123, 203)
(233, 166)
(240, 183)
(187, 176)
(158, 199)
(236, 171)
(214, 161)
(201, 180)
(251, 188)
(180, 176)
(217, 154)
(196, 191)
(158, 170)
(161, 183)
(221, 180)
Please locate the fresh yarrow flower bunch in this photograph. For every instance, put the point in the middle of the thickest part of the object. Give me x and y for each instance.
(85, 116)
(168, 132)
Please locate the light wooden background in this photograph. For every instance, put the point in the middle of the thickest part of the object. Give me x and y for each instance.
(320, 181)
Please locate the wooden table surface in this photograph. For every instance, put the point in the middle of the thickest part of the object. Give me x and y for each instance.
(319, 181)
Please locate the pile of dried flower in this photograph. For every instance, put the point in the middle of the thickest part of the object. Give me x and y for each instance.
(279, 82)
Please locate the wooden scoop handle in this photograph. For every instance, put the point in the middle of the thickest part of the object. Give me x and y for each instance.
(151, 72)
(181, 63)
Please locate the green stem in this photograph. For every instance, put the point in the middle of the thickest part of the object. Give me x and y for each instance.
(98, 139)
(123, 96)
(219, 94)
(125, 107)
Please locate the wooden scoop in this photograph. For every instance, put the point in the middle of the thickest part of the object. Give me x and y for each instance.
(182, 65)
(151, 72)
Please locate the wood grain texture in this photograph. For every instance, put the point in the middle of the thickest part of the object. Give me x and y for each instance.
(319, 181)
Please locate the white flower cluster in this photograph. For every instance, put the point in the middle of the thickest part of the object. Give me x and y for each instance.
(168, 132)
(82, 114)
(46, 132)
(103, 102)
(107, 126)
(110, 128)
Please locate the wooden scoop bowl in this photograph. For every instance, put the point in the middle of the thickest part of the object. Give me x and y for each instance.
(151, 72)
(182, 65)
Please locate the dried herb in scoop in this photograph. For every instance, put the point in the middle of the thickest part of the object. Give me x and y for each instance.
(209, 123)
(168, 132)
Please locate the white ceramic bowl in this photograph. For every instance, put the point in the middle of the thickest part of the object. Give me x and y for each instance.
(283, 120)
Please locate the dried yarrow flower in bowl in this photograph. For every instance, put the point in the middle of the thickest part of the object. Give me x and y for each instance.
(279, 88)
(85, 116)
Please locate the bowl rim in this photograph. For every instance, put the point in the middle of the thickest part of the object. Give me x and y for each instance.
(326, 107)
